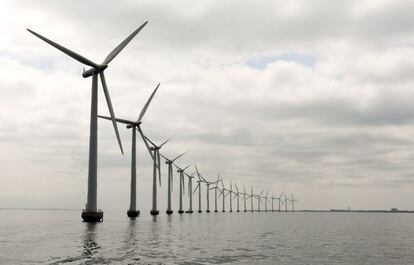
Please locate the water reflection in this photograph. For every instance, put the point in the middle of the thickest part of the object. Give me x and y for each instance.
(90, 246)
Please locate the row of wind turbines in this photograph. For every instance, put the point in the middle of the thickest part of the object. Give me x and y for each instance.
(91, 213)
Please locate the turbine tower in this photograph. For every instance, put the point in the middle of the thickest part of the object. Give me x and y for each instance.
(190, 193)
(223, 193)
(154, 150)
(182, 188)
(91, 213)
(231, 199)
(135, 125)
(208, 183)
(170, 162)
(280, 200)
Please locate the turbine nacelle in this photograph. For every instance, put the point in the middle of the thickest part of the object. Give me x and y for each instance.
(93, 70)
(129, 126)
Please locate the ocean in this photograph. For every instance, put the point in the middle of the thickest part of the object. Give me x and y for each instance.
(60, 237)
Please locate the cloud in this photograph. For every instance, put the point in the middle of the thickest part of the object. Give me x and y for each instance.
(302, 96)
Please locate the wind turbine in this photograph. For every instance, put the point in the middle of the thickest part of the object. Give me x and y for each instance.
(170, 162)
(190, 193)
(231, 199)
(286, 207)
(215, 193)
(273, 198)
(223, 193)
(199, 181)
(155, 154)
(251, 200)
(244, 198)
(237, 194)
(293, 200)
(259, 200)
(91, 212)
(280, 200)
(135, 125)
(182, 188)
(265, 200)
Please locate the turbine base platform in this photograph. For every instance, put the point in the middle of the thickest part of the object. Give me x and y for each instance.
(133, 213)
(231, 211)
(189, 211)
(215, 211)
(223, 211)
(200, 211)
(154, 212)
(207, 211)
(92, 217)
(180, 211)
(169, 212)
(238, 211)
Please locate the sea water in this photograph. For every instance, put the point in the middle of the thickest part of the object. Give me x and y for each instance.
(60, 237)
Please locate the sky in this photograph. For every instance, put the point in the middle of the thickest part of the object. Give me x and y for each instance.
(306, 97)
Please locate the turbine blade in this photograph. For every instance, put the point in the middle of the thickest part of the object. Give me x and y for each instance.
(150, 141)
(165, 142)
(117, 119)
(72, 54)
(146, 143)
(198, 185)
(187, 167)
(144, 109)
(111, 110)
(179, 156)
(122, 45)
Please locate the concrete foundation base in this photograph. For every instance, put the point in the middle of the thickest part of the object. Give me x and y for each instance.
(237, 211)
(132, 213)
(215, 211)
(207, 211)
(200, 211)
(169, 212)
(180, 211)
(154, 212)
(189, 211)
(223, 211)
(231, 211)
(92, 217)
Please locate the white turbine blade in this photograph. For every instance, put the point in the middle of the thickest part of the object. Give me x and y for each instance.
(161, 145)
(236, 187)
(152, 143)
(111, 110)
(144, 109)
(117, 119)
(244, 189)
(267, 192)
(146, 143)
(122, 45)
(72, 54)
(179, 156)
(165, 157)
(198, 185)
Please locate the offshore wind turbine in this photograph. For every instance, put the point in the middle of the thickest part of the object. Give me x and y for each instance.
(231, 199)
(273, 198)
(280, 200)
(293, 200)
(244, 198)
(155, 154)
(199, 181)
(223, 193)
(190, 192)
(91, 213)
(170, 162)
(251, 200)
(135, 125)
(237, 194)
(215, 193)
(259, 200)
(286, 206)
(182, 187)
(265, 200)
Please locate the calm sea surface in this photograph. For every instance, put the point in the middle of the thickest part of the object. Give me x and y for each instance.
(59, 237)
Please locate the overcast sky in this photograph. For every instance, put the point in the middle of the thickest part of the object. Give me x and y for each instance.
(309, 97)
